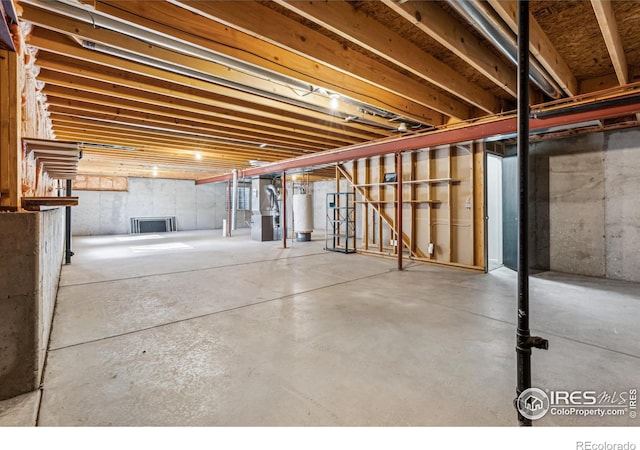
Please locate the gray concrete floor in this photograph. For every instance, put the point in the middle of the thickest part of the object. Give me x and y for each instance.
(195, 329)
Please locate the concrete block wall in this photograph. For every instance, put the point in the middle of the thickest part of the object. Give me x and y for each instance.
(196, 207)
(320, 191)
(32, 246)
(587, 210)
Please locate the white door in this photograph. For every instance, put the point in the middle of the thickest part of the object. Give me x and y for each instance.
(494, 210)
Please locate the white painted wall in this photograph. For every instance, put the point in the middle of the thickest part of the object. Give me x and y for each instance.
(320, 191)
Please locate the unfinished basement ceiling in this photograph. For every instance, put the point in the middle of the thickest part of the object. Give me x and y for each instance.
(191, 89)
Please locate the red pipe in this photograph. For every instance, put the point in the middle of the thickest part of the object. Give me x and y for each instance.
(399, 209)
(481, 130)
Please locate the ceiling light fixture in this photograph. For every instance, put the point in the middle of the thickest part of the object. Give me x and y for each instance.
(198, 156)
(402, 128)
(334, 101)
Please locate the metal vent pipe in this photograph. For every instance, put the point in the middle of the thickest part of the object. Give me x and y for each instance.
(500, 35)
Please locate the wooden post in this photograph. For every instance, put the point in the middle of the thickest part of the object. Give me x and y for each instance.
(365, 227)
(399, 209)
(413, 198)
(10, 122)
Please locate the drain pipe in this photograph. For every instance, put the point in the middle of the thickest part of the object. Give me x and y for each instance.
(234, 199)
(496, 32)
(283, 220)
(67, 228)
(524, 341)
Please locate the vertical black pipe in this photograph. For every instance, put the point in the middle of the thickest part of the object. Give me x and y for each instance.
(68, 253)
(283, 219)
(523, 349)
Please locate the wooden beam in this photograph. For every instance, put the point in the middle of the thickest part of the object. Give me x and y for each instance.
(10, 132)
(161, 123)
(152, 92)
(430, 18)
(212, 71)
(184, 110)
(540, 46)
(143, 139)
(358, 28)
(176, 22)
(148, 78)
(86, 109)
(609, 28)
(267, 25)
(614, 106)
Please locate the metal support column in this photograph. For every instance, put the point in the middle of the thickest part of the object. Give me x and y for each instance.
(399, 209)
(234, 199)
(67, 228)
(283, 219)
(524, 341)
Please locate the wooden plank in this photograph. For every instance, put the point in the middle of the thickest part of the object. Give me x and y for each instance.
(224, 40)
(126, 134)
(430, 18)
(479, 206)
(449, 204)
(365, 234)
(188, 111)
(139, 88)
(192, 129)
(609, 28)
(380, 177)
(472, 174)
(429, 211)
(382, 202)
(40, 203)
(412, 199)
(357, 27)
(263, 23)
(82, 108)
(118, 41)
(540, 45)
(10, 123)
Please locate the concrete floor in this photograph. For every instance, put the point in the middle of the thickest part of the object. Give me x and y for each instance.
(194, 329)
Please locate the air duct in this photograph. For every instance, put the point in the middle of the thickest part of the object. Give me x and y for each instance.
(500, 35)
(274, 195)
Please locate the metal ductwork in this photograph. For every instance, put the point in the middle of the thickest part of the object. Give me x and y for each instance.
(274, 196)
(492, 27)
(265, 209)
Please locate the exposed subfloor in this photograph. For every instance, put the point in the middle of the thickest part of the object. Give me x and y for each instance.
(195, 329)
